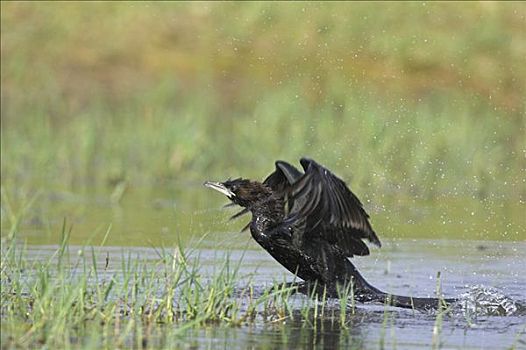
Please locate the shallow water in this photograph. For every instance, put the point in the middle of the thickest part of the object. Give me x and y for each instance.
(407, 267)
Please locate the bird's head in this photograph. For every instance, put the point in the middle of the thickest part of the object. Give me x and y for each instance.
(242, 192)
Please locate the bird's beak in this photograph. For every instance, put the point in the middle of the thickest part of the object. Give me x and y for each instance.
(218, 186)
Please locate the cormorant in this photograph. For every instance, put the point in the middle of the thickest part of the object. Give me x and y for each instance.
(311, 223)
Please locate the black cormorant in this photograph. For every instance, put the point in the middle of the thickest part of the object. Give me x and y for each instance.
(311, 223)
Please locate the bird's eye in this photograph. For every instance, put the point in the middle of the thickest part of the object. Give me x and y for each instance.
(233, 188)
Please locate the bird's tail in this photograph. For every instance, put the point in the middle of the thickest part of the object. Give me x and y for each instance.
(365, 292)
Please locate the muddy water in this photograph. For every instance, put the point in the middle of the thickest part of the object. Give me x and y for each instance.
(402, 266)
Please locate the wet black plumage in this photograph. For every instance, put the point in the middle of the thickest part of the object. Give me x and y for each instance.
(311, 223)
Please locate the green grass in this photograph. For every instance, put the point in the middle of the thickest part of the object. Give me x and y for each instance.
(81, 299)
(421, 100)
(67, 301)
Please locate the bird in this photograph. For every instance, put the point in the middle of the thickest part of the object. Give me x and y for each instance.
(312, 224)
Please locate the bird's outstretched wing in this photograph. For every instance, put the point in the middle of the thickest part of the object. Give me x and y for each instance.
(324, 207)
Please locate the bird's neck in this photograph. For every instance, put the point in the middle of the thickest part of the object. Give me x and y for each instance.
(267, 213)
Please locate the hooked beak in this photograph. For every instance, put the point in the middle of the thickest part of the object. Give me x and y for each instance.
(218, 186)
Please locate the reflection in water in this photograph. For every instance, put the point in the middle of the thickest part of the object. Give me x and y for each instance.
(294, 334)
(323, 333)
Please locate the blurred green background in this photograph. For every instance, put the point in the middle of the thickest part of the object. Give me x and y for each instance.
(420, 107)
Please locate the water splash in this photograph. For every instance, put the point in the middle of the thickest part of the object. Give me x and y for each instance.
(480, 300)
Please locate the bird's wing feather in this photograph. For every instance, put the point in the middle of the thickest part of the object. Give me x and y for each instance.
(327, 208)
(283, 177)
(281, 181)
